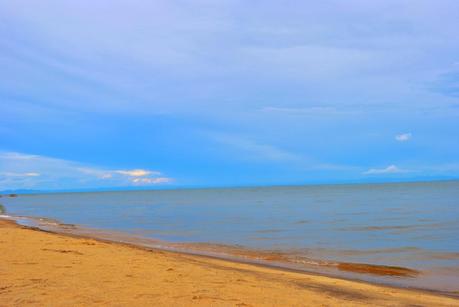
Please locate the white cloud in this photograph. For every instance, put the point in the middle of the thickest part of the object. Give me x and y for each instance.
(19, 171)
(391, 169)
(137, 172)
(403, 137)
(32, 174)
(10, 174)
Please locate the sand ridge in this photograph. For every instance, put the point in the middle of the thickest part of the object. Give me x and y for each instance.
(39, 268)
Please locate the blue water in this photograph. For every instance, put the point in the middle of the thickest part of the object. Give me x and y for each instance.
(413, 225)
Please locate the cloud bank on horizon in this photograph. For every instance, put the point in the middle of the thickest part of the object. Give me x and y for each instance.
(106, 93)
(62, 174)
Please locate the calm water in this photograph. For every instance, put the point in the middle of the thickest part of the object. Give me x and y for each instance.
(414, 225)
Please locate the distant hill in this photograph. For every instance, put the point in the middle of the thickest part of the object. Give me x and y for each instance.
(19, 191)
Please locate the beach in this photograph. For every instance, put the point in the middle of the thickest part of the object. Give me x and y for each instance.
(41, 268)
(403, 235)
(229, 153)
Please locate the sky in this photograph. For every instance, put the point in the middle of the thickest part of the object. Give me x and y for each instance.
(165, 94)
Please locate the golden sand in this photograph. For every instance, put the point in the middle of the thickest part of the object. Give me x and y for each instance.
(44, 269)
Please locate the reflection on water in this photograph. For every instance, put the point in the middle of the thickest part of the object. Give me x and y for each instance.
(409, 225)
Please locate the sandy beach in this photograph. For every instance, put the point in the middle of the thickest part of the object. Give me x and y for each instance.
(39, 268)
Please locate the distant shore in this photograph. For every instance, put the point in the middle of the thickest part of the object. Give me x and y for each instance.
(40, 268)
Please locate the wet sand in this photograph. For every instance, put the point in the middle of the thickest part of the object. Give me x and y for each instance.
(40, 268)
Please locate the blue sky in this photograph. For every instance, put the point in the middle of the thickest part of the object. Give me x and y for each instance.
(227, 93)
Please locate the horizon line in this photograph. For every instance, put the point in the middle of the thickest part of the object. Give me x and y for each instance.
(204, 187)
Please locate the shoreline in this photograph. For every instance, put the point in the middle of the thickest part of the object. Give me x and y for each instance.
(356, 272)
(285, 277)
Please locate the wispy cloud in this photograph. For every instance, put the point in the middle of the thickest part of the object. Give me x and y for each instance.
(308, 111)
(403, 137)
(19, 170)
(257, 150)
(250, 149)
(10, 174)
(448, 83)
(391, 169)
(157, 180)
